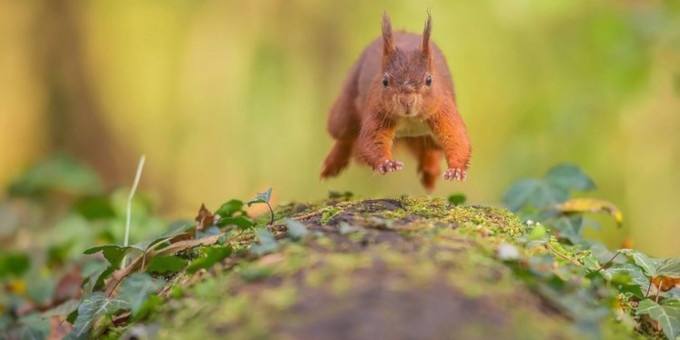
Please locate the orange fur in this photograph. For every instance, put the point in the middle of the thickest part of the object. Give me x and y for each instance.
(400, 84)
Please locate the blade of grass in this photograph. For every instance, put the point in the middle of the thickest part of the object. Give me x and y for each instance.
(128, 213)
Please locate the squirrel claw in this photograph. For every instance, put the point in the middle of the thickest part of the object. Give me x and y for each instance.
(455, 174)
(390, 166)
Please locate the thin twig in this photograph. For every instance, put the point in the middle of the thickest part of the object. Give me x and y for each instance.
(271, 212)
(120, 274)
(649, 288)
(608, 262)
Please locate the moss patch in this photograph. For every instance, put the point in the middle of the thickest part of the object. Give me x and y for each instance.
(403, 268)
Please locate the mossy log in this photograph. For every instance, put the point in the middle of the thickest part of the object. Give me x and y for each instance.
(402, 268)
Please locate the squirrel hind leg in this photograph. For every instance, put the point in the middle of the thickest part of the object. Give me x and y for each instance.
(429, 157)
(429, 168)
(338, 158)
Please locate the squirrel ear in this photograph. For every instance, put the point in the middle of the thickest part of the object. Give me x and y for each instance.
(388, 43)
(425, 46)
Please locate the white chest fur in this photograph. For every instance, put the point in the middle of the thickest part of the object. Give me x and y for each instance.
(412, 127)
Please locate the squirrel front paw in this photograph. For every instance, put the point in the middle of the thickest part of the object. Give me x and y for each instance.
(455, 174)
(389, 166)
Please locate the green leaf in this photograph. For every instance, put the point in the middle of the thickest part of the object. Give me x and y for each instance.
(669, 268)
(95, 306)
(63, 309)
(35, 327)
(166, 263)
(112, 253)
(95, 207)
(57, 173)
(334, 194)
(267, 242)
(14, 264)
(263, 197)
(569, 177)
(228, 209)
(457, 199)
(537, 233)
(648, 265)
(176, 228)
(569, 227)
(666, 314)
(94, 273)
(627, 274)
(136, 288)
(213, 255)
(296, 230)
(533, 192)
(243, 222)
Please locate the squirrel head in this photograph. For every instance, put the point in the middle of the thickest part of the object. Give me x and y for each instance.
(407, 79)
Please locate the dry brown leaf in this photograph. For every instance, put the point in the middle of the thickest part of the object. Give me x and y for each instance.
(664, 283)
(204, 219)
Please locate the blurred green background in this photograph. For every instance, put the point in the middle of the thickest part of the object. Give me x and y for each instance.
(228, 98)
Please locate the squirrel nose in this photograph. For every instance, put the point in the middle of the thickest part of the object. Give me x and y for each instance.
(408, 102)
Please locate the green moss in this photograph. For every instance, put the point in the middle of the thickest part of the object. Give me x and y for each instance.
(382, 261)
(328, 213)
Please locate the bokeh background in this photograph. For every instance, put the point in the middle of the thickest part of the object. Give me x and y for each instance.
(228, 98)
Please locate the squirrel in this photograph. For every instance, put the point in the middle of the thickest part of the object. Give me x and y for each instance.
(400, 89)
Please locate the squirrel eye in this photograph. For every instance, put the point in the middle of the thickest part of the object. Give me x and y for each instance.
(428, 80)
(385, 81)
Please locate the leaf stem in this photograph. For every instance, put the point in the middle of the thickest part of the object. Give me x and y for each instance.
(271, 214)
(608, 262)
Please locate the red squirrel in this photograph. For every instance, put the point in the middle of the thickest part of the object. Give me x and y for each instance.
(400, 89)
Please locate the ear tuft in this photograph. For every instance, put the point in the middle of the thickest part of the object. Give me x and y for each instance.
(388, 43)
(425, 46)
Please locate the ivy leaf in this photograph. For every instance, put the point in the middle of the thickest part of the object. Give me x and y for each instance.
(175, 230)
(296, 230)
(95, 306)
(136, 288)
(166, 263)
(35, 327)
(242, 222)
(213, 255)
(568, 177)
(534, 192)
(570, 228)
(666, 314)
(628, 276)
(228, 209)
(669, 268)
(94, 273)
(63, 309)
(112, 253)
(263, 197)
(267, 242)
(648, 265)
